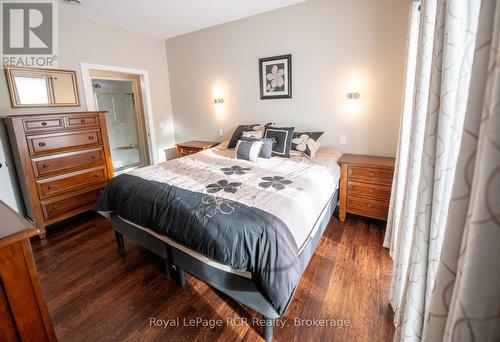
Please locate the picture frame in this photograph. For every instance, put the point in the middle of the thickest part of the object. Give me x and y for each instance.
(275, 77)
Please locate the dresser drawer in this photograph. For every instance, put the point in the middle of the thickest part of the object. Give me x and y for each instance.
(58, 184)
(47, 124)
(367, 207)
(382, 192)
(43, 166)
(371, 175)
(58, 207)
(40, 144)
(82, 121)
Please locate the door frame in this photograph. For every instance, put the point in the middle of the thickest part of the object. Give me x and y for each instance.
(87, 68)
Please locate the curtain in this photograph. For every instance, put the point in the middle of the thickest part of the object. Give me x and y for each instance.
(418, 217)
(399, 180)
(465, 301)
(402, 234)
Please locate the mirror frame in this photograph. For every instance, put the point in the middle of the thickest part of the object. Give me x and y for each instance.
(14, 95)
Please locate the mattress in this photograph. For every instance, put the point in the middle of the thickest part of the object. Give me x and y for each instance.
(298, 204)
(253, 219)
(214, 263)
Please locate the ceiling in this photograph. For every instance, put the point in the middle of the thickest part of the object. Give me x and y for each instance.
(169, 18)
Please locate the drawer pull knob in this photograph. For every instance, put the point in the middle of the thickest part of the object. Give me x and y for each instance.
(372, 174)
(369, 205)
(91, 137)
(44, 123)
(45, 166)
(41, 144)
(92, 156)
(97, 174)
(82, 120)
(51, 187)
(370, 190)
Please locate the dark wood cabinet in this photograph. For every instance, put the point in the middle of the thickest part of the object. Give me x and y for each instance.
(62, 161)
(365, 185)
(23, 313)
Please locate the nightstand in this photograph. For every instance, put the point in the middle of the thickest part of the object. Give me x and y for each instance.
(193, 146)
(365, 185)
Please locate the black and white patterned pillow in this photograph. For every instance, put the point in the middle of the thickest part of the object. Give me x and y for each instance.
(248, 150)
(267, 145)
(238, 132)
(283, 139)
(307, 142)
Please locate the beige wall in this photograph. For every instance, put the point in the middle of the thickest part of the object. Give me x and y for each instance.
(86, 41)
(330, 40)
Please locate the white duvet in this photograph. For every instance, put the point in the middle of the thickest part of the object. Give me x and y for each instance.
(295, 189)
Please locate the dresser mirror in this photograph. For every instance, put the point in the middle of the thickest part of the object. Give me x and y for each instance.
(32, 87)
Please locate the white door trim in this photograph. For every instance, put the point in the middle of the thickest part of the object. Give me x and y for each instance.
(85, 69)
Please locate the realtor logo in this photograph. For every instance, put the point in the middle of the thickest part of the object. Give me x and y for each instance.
(29, 32)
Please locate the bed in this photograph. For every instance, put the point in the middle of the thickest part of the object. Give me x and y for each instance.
(247, 229)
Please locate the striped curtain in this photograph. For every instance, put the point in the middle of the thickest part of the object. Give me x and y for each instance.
(428, 154)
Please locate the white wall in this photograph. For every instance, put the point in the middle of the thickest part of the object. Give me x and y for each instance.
(86, 41)
(330, 40)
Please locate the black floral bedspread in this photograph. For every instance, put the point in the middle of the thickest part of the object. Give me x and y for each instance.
(237, 235)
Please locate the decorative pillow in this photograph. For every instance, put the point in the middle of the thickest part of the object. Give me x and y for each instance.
(248, 150)
(259, 133)
(283, 139)
(267, 145)
(307, 142)
(238, 132)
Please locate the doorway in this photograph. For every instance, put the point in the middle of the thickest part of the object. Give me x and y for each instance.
(120, 98)
(124, 94)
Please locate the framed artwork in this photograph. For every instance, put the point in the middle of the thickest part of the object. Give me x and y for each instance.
(275, 77)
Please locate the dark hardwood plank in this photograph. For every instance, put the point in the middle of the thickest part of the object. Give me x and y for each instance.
(96, 292)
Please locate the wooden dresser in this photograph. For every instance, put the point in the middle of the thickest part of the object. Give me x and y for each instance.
(63, 161)
(23, 313)
(193, 146)
(365, 185)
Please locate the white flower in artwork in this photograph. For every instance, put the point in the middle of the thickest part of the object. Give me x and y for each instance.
(276, 76)
(303, 141)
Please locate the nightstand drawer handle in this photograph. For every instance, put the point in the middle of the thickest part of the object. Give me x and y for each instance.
(44, 123)
(82, 120)
(372, 174)
(369, 205)
(51, 187)
(91, 137)
(93, 156)
(41, 144)
(45, 166)
(370, 190)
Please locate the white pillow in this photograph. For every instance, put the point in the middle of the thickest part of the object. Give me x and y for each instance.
(248, 150)
(253, 134)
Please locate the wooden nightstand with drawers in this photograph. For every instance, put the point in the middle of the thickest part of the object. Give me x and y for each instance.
(193, 146)
(365, 185)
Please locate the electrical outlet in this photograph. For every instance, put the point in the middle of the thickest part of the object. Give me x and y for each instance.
(343, 139)
(221, 132)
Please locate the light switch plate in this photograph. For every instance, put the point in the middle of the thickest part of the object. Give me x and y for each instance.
(221, 132)
(342, 139)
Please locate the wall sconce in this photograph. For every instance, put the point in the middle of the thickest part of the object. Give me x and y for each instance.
(219, 102)
(353, 95)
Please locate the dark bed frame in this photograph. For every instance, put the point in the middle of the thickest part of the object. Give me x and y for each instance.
(239, 288)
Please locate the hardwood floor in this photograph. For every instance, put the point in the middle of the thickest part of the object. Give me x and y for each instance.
(97, 293)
